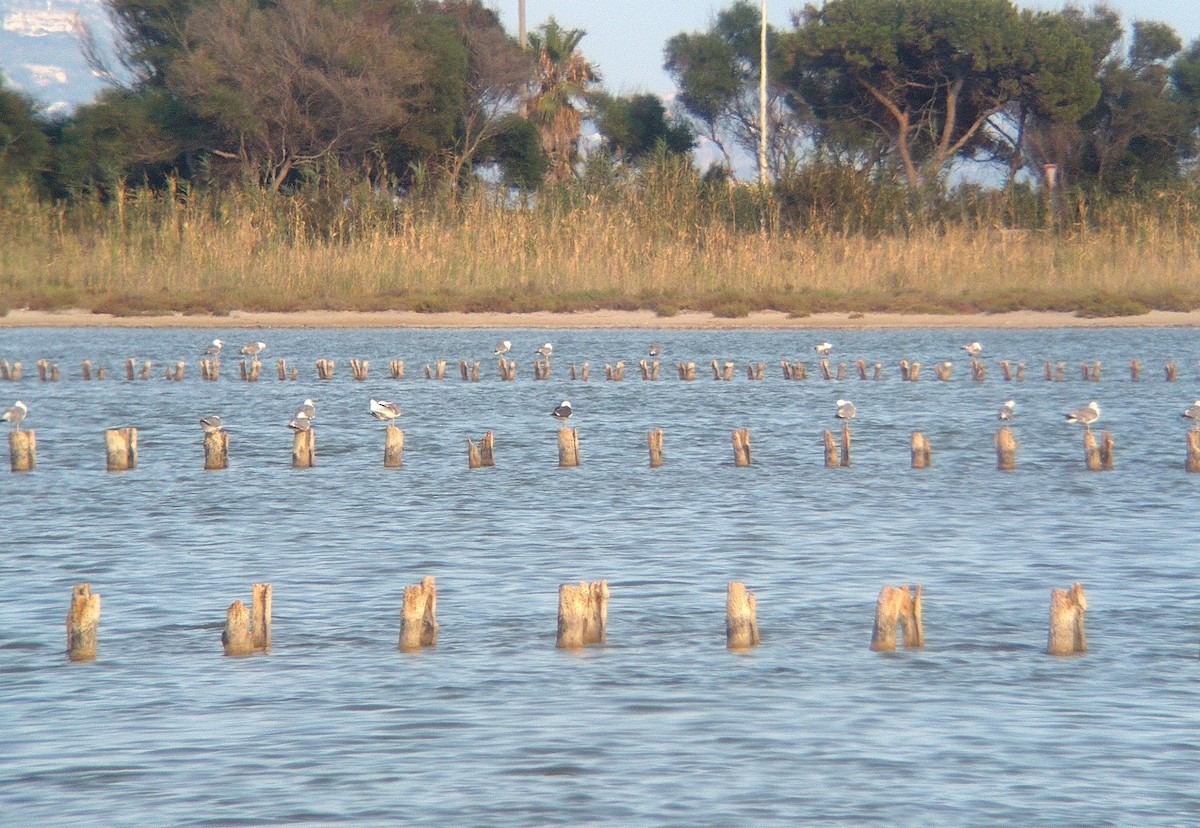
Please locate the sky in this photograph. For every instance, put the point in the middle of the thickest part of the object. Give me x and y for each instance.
(625, 38)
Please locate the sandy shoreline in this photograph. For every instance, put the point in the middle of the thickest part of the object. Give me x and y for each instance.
(606, 319)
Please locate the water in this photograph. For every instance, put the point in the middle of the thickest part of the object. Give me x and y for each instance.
(662, 726)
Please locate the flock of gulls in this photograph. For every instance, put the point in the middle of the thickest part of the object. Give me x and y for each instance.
(387, 411)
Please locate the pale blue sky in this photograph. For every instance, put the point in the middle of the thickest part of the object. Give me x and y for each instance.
(625, 38)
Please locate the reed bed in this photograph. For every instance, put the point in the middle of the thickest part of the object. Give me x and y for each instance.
(666, 241)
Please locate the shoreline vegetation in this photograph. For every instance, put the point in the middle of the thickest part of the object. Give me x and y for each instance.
(668, 242)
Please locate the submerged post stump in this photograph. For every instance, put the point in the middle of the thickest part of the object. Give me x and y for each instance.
(897, 605)
(1059, 371)
(845, 456)
(582, 614)
(359, 368)
(281, 371)
(1006, 450)
(914, 371)
(260, 617)
(1020, 372)
(1095, 375)
(1106, 452)
(236, 638)
(397, 369)
(1067, 609)
(86, 369)
(216, 450)
(304, 446)
(741, 447)
(83, 622)
(654, 439)
(825, 373)
(487, 450)
(147, 367)
(1006, 370)
(568, 448)
(393, 447)
(1193, 451)
(121, 445)
(861, 365)
(22, 450)
(130, 365)
(464, 370)
(943, 370)
(904, 369)
(1091, 452)
(741, 617)
(878, 371)
(922, 455)
(831, 451)
(418, 616)
(1171, 369)
(1135, 370)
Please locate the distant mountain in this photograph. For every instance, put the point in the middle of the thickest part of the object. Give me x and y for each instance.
(40, 49)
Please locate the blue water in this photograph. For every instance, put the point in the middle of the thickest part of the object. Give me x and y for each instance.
(663, 725)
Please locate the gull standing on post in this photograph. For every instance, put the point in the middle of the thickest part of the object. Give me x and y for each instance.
(562, 411)
(546, 350)
(307, 409)
(211, 424)
(1007, 410)
(1086, 415)
(15, 415)
(253, 349)
(973, 349)
(383, 410)
(1192, 412)
(845, 410)
(823, 349)
(502, 348)
(214, 348)
(301, 422)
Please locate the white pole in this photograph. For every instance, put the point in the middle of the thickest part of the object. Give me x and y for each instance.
(762, 100)
(522, 37)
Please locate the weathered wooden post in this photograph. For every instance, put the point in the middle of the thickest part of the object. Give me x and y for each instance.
(1067, 633)
(1095, 376)
(1106, 452)
(1135, 370)
(397, 369)
(102, 373)
(475, 371)
(1171, 370)
(1006, 450)
(831, 451)
(825, 373)
(1193, 451)
(741, 447)
(4, 371)
(921, 452)
(260, 617)
(1020, 372)
(86, 368)
(359, 368)
(22, 450)
(43, 368)
(393, 447)
(418, 616)
(1091, 452)
(281, 371)
(83, 622)
(897, 605)
(129, 368)
(655, 440)
(904, 370)
(845, 456)
(216, 450)
(1049, 372)
(914, 371)
(861, 365)
(1059, 370)
(978, 370)
(146, 368)
(1083, 367)
(943, 370)
(304, 445)
(878, 371)
(15, 373)
(841, 372)
(1006, 370)
(741, 618)
(582, 614)
(235, 639)
(474, 457)
(487, 450)
(568, 448)
(121, 445)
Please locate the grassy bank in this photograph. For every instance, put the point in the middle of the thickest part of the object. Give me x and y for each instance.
(667, 242)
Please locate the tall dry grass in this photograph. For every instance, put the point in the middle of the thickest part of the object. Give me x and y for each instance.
(665, 240)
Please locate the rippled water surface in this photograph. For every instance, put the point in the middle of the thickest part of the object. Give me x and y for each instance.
(663, 725)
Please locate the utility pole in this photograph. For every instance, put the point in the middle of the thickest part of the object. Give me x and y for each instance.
(522, 35)
(762, 100)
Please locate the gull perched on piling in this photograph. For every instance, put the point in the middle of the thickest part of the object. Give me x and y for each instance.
(214, 348)
(253, 349)
(1008, 409)
(307, 409)
(845, 410)
(824, 348)
(211, 424)
(15, 415)
(546, 350)
(973, 349)
(562, 411)
(502, 348)
(301, 422)
(383, 410)
(1086, 415)
(1192, 412)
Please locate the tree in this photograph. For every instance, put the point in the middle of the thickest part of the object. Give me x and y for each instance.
(24, 148)
(717, 73)
(633, 127)
(296, 82)
(563, 78)
(925, 76)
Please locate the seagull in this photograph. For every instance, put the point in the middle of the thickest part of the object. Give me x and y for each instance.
(845, 410)
(823, 349)
(546, 350)
(253, 349)
(1008, 409)
(19, 411)
(307, 409)
(1192, 412)
(382, 410)
(562, 411)
(655, 349)
(301, 422)
(211, 424)
(214, 349)
(973, 349)
(1086, 415)
(502, 348)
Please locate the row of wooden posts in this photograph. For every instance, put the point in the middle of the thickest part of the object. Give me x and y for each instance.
(582, 619)
(210, 369)
(122, 449)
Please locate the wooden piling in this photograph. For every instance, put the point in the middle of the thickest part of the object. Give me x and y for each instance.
(43, 369)
(177, 376)
(102, 373)
(260, 617)
(845, 455)
(83, 623)
(129, 368)
(487, 450)
(1067, 634)
(216, 450)
(1059, 370)
(304, 449)
(1193, 451)
(396, 367)
(22, 450)
(418, 616)
(236, 638)
(1020, 372)
(861, 365)
(1171, 369)
(15, 373)
(741, 617)
(393, 447)
(474, 455)
(568, 448)
(121, 445)
(943, 370)
(878, 371)
(147, 367)
(1091, 452)
(1095, 375)
(914, 371)
(1049, 372)
(464, 371)
(281, 371)
(825, 373)
(1135, 370)
(904, 370)
(897, 606)
(86, 369)
(978, 370)
(841, 372)
(741, 447)
(831, 451)
(654, 438)
(1083, 367)
(921, 452)
(1106, 452)
(325, 368)
(582, 614)
(1006, 450)
(4, 370)
(1006, 370)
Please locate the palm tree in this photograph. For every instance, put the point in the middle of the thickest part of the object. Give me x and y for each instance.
(563, 77)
